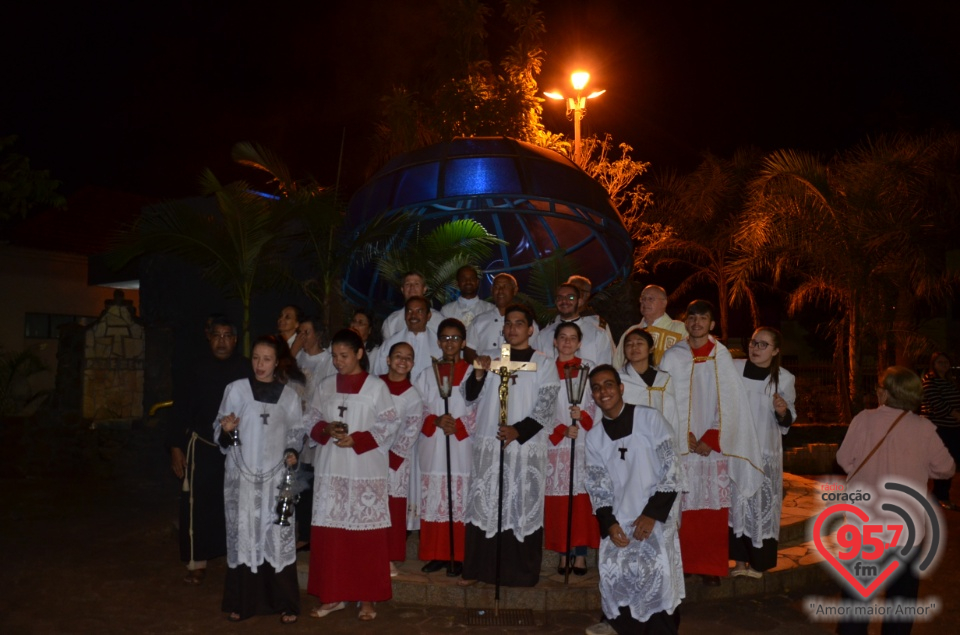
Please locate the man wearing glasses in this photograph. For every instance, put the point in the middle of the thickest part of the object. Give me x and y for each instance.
(718, 444)
(195, 459)
(596, 344)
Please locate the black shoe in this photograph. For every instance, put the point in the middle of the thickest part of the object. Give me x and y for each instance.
(711, 580)
(433, 566)
(581, 571)
(455, 570)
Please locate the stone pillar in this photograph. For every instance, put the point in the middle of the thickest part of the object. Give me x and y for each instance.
(113, 363)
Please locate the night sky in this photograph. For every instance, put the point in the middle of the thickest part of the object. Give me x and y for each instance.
(140, 96)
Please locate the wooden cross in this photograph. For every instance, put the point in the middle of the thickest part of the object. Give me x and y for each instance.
(623, 453)
(264, 415)
(342, 409)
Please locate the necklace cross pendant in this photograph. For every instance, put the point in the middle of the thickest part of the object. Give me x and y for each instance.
(342, 409)
(623, 453)
(264, 416)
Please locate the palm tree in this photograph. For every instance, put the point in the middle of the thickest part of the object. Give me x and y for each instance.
(239, 249)
(438, 255)
(319, 234)
(698, 215)
(862, 236)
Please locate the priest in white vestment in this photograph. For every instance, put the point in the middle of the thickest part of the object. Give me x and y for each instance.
(665, 330)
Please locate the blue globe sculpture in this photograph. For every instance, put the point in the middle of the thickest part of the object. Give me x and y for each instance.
(535, 199)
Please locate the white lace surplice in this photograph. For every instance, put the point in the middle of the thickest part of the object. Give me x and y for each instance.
(524, 466)
(646, 576)
(350, 489)
(403, 480)
(252, 473)
(758, 516)
(432, 454)
(558, 456)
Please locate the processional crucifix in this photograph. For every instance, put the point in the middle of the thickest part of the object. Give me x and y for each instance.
(506, 369)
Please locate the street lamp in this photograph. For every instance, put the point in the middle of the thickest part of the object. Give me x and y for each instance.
(576, 105)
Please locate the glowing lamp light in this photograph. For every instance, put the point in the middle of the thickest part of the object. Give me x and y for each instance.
(579, 80)
(576, 106)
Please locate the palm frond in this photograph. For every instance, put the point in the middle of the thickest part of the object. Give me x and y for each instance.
(255, 156)
(438, 255)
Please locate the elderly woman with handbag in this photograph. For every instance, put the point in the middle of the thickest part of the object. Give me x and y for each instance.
(893, 444)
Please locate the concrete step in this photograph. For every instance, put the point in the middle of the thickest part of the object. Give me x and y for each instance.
(797, 569)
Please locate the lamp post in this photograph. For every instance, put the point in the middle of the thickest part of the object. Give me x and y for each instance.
(576, 105)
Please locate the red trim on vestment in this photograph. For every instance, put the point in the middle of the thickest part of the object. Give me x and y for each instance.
(397, 388)
(351, 384)
(586, 421)
(429, 425)
(703, 351)
(712, 438)
(363, 441)
(395, 460)
(558, 434)
(320, 432)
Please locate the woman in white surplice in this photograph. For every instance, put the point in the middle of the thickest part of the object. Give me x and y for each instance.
(409, 404)
(261, 555)
(584, 531)
(643, 384)
(755, 521)
(356, 424)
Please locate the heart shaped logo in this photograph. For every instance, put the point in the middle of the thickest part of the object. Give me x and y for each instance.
(865, 591)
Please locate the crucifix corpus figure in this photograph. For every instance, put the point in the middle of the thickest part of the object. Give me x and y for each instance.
(504, 532)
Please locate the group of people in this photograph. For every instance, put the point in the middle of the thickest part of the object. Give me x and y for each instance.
(464, 426)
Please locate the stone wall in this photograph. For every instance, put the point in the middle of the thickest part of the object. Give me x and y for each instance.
(113, 363)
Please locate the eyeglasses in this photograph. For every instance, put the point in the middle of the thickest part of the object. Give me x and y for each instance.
(759, 344)
(450, 338)
(570, 297)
